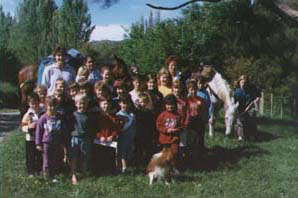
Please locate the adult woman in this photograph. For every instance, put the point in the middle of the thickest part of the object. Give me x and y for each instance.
(58, 70)
(247, 95)
(172, 62)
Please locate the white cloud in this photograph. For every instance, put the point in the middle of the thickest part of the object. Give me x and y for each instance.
(113, 32)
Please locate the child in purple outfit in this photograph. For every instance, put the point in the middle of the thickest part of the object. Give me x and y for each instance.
(49, 138)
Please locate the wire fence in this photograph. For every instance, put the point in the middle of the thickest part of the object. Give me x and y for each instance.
(275, 106)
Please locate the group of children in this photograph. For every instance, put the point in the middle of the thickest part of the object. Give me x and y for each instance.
(158, 111)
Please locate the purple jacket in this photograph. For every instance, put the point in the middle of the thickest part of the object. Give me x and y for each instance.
(50, 129)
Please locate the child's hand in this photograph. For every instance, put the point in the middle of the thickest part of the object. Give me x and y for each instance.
(102, 139)
(38, 147)
(110, 138)
(170, 130)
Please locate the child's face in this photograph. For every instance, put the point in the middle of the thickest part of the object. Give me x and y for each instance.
(58, 96)
(51, 109)
(136, 84)
(34, 105)
(84, 90)
(106, 75)
(143, 103)
(119, 91)
(98, 93)
(89, 63)
(164, 80)
(176, 91)
(172, 67)
(170, 107)
(81, 105)
(192, 91)
(73, 92)
(104, 105)
(60, 87)
(124, 106)
(151, 84)
(41, 94)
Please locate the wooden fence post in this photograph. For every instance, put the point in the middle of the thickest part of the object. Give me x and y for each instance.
(271, 105)
(261, 106)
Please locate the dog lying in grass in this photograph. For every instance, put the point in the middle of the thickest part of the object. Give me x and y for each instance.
(162, 166)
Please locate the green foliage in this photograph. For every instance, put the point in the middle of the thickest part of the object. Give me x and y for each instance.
(32, 34)
(8, 95)
(74, 23)
(230, 34)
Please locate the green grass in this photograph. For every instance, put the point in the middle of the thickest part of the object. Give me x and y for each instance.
(264, 168)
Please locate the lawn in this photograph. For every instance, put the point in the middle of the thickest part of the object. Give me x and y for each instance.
(263, 168)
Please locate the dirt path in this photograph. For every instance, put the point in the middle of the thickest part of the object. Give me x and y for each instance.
(8, 122)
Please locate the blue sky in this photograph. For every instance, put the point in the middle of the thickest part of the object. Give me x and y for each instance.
(110, 22)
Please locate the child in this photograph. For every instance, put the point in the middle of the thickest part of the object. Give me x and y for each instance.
(60, 85)
(120, 88)
(49, 138)
(134, 70)
(196, 119)
(128, 131)
(83, 124)
(101, 89)
(73, 90)
(136, 81)
(106, 133)
(155, 95)
(28, 126)
(41, 91)
(203, 93)
(144, 129)
(169, 125)
(164, 82)
(82, 75)
(106, 77)
(86, 89)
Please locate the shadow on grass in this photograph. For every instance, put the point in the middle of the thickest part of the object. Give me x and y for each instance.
(219, 157)
(282, 122)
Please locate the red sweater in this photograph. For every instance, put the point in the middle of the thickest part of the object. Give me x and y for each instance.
(196, 108)
(108, 125)
(165, 121)
(182, 109)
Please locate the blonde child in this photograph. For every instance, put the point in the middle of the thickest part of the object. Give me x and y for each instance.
(41, 91)
(164, 82)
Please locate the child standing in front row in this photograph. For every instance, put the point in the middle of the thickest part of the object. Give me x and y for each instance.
(28, 125)
(128, 131)
(169, 125)
(49, 138)
(83, 124)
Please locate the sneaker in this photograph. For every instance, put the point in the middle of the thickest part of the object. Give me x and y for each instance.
(30, 176)
(55, 180)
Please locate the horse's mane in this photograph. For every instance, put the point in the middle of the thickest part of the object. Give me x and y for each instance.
(221, 88)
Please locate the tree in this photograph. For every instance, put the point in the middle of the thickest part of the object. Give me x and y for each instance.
(73, 23)
(32, 34)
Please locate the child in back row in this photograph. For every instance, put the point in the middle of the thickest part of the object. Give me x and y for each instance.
(28, 125)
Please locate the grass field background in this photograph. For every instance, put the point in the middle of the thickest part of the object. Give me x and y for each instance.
(267, 167)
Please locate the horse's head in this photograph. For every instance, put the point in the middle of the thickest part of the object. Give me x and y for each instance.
(230, 116)
(119, 69)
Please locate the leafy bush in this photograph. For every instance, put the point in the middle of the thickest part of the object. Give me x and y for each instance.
(9, 97)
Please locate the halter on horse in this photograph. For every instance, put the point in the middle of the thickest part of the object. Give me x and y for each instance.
(220, 91)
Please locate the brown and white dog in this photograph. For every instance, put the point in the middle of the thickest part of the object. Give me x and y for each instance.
(162, 166)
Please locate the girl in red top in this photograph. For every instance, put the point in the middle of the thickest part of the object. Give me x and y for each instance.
(169, 125)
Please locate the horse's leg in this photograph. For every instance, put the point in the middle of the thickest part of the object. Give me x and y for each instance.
(211, 121)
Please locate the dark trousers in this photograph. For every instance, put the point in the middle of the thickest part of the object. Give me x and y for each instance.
(33, 158)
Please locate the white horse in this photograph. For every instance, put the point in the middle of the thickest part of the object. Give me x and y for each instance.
(220, 91)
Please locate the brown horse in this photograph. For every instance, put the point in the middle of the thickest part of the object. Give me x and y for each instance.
(27, 79)
(120, 71)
